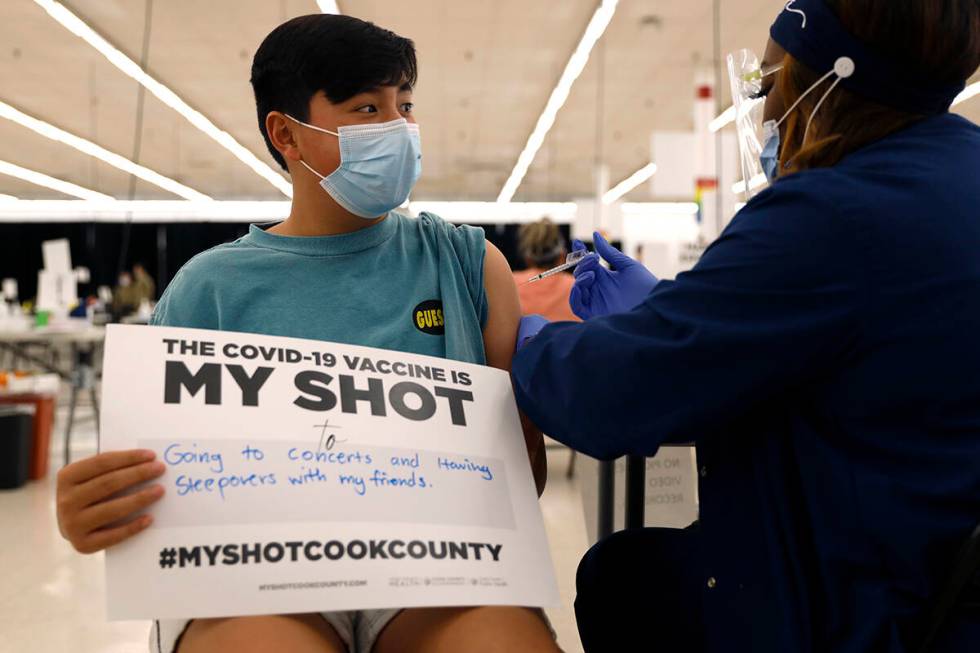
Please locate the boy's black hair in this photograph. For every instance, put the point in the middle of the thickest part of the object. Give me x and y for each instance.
(339, 55)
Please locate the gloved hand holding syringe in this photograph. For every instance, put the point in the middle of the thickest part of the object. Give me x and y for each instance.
(574, 258)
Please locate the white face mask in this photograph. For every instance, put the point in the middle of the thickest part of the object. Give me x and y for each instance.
(379, 166)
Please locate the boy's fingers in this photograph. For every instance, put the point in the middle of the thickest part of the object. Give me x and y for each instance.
(105, 486)
(99, 515)
(103, 539)
(84, 470)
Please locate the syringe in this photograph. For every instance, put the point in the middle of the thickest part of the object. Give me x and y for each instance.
(573, 259)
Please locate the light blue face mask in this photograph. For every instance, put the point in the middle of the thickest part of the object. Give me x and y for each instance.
(769, 157)
(379, 166)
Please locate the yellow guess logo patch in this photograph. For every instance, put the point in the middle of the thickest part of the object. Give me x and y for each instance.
(428, 317)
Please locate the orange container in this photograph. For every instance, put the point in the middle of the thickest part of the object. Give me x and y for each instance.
(43, 422)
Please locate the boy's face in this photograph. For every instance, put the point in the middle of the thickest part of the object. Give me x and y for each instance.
(322, 151)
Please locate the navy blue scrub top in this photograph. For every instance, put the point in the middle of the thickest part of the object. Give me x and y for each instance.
(824, 356)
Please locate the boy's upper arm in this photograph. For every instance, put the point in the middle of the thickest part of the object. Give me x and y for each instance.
(500, 332)
(500, 340)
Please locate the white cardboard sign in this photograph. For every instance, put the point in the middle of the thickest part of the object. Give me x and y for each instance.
(307, 476)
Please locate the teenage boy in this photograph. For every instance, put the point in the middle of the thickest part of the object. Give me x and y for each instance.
(334, 101)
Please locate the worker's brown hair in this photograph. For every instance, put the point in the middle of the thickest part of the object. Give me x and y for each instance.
(937, 39)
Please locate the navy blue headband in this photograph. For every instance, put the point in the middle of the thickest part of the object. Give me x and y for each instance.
(810, 31)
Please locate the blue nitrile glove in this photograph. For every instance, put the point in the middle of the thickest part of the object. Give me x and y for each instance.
(598, 291)
(530, 326)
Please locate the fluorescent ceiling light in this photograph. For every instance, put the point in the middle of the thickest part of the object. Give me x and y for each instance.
(88, 147)
(970, 91)
(724, 118)
(143, 211)
(600, 20)
(660, 209)
(629, 183)
(728, 115)
(328, 6)
(158, 211)
(46, 181)
(496, 213)
(756, 182)
(77, 26)
(169, 211)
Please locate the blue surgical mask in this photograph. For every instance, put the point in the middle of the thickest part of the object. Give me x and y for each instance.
(769, 157)
(379, 165)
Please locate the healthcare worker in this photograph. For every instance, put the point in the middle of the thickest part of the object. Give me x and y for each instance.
(823, 356)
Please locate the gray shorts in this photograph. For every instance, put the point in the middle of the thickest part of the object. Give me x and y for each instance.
(358, 629)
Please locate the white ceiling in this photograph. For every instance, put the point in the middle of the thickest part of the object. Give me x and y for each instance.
(486, 70)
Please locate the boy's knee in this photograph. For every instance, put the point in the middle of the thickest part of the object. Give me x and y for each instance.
(302, 633)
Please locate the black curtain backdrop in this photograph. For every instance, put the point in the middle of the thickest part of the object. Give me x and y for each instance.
(96, 246)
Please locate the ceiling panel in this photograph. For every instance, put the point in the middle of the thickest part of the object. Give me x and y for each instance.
(487, 69)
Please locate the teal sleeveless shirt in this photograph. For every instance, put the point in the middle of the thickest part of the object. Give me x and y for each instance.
(406, 284)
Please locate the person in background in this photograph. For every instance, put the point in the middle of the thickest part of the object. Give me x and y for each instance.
(125, 298)
(146, 288)
(132, 290)
(543, 247)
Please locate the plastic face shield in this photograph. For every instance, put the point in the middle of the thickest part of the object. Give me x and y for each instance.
(746, 75)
